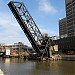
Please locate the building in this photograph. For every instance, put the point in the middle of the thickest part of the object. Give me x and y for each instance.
(70, 15)
(16, 49)
(67, 25)
(66, 43)
(63, 28)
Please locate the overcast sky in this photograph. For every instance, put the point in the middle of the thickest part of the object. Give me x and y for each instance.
(46, 14)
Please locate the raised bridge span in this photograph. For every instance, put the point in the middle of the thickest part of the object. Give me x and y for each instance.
(40, 44)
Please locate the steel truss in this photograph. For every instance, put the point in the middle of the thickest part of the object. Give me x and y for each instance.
(30, 28)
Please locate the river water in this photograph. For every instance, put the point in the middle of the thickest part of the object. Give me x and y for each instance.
(17, 66)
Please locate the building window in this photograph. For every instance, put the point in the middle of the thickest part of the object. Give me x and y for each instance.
(73, 4)
(73, 1)
(70, 16)
(68, 3)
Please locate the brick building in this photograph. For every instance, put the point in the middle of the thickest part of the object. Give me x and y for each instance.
(16, 49)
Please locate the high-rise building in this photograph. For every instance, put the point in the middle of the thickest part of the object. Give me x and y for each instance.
(67, 25)
(63, 28)
(66, 43)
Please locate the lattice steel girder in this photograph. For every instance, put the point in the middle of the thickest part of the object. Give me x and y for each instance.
(29, 26)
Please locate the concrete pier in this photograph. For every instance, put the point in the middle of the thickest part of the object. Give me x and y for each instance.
(68, 57)
(56, 57)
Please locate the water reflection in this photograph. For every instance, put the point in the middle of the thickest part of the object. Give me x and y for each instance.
(17, 66)
(7, 60)
(13, 60)
(54, 68)
(17, 60)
